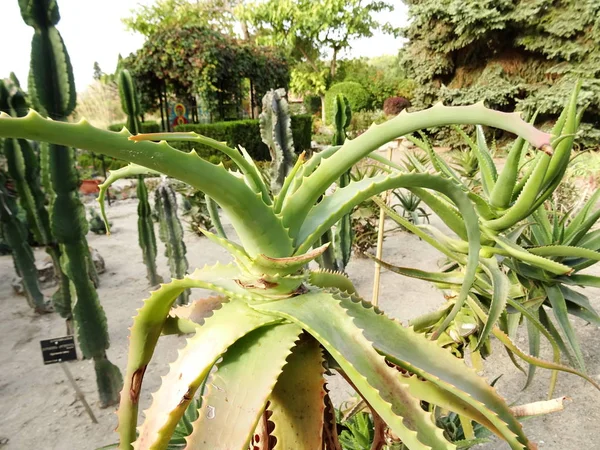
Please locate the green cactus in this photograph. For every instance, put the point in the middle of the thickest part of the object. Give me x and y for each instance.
(23, 168)
(342, 115)
(130, 102)
(170, 232)
(131, 106)
(337, 255)
(146, 237)
(276, 133)
(52, 90)
(15, 234)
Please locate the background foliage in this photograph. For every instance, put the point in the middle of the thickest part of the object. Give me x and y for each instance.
(521, 54)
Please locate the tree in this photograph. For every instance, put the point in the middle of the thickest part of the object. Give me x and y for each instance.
(510, 53)
(217, 14)
(310, 29)
(97, 71)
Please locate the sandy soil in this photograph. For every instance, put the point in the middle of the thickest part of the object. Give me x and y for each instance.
(39, 409)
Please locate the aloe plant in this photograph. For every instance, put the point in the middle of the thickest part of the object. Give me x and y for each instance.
(279, 321)
(526, 260)
(52, 91)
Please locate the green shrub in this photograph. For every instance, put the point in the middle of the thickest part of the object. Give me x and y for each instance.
(357, 95)
(245, 133)
(312, 104)
(147, 127)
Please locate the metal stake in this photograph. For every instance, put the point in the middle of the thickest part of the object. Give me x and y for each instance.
(78, 392)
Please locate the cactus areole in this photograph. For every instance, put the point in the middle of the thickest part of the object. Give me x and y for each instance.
(271, 314)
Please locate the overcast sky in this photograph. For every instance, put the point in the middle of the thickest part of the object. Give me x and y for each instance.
(93, 31)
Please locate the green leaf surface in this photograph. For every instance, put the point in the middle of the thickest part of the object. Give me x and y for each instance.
(237, 392)
(228, 324)
(378, 383)
(297, 402)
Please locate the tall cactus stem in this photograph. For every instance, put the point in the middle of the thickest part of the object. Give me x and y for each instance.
(170, 232)
(52, 90)
(146, 236)
(276, 133)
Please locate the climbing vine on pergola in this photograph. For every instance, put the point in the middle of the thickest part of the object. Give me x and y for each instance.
(196, 60)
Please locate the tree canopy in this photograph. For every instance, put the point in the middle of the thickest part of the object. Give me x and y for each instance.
(197, 60)
(523, 54)
(217, 14)
(311, 31)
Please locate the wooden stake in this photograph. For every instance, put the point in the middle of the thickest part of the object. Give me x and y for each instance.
(379, 251)
(78, 392)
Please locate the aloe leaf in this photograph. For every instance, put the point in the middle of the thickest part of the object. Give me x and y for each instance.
(436, 161)
(228, 324)
(378, 383)
(454, 278)
(234, 401)
(582, 230)
(565, 251)
(559, 309)
(582, 280)
(503, 188)
(549, 325)
(444, 210)
(522, 254)
(331, 280)
(426, 359)
(501, 286)
(332, 207)
(578, 219)
(248, 169)
(146, 329)
(502, 337)
(258, 228)
(533, 319)
(297, 400)
(533, 335)
(577, 298)
(354, 150)
(416, 230)
(215, 218)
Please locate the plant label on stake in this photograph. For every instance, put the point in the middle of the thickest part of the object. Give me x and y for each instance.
(59, 350)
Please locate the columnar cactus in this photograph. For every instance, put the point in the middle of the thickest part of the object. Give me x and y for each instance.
(170, 232)
(52, 89)
(130, 102)
(23, 169)
(146, 236)
(337, 256)
(15, 234)
(276, 133)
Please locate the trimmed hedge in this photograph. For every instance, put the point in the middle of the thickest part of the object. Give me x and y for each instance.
(147, 127)
(245, 133)
(356, 94)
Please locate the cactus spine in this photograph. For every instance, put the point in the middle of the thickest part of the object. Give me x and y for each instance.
(23, 169)
(131, 106)
(338, 254)
(276, 133)
(170, 232)
(52, 89)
